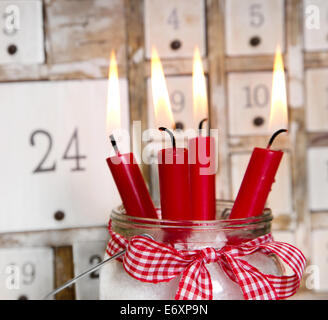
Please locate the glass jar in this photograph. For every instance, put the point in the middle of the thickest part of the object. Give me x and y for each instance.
(116, 284)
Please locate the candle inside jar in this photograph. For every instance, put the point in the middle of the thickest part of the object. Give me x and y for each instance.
(263, 165)
(124, 167)
(257, 182)
(172, 162)
(202, 165)
(130, 184)
(174, 184)
(202, 176)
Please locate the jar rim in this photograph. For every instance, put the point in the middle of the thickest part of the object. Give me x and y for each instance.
(119, 215)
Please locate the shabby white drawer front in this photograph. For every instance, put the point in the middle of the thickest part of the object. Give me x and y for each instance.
(21, 32)
(175, 27)
(54, 140)
(26, 273)
(254, 27)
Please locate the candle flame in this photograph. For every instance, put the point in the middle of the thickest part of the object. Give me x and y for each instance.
(279, 113)
(161, 100)
(199, 90)
(113, 96)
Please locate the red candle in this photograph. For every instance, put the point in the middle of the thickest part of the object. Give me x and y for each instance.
(257, 182)
(124, 168)
(174, 182)
(202, 177)
(264, 163)
(201, 150)
(130, 184)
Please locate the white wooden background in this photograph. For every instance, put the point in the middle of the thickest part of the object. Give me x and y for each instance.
(53, 68)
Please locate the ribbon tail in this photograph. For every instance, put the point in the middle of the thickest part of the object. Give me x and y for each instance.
(195, 283)
(254, 284)
(286, 286)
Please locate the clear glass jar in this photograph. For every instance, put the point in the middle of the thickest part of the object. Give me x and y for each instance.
(116, 284)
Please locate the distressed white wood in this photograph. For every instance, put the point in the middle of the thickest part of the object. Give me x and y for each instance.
(171, 20)
(319, 220)
(21, 25)
(295, 83)
(26, 273)
(85, 32)
(316, 99)
(284, 236)
(52, 238)
(247, 19)
(249, 97)
(315, 25)
(318, 178)
(87, 254)
(279, 199)
(29, 199)
(319, 257)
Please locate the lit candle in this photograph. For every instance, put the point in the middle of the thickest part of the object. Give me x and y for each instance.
(124, 168)
(172, 162)
(264, 163)
(201, 151)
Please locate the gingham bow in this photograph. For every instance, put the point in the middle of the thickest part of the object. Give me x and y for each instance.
(150, 261)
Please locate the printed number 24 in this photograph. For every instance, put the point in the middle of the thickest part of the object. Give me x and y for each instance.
(73, 142)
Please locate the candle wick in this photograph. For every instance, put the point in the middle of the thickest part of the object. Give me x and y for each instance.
(171, 135)
(200, 126)
(114, 144)
(274, 137)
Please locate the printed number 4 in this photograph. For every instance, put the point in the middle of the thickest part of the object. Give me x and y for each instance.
(73, 142)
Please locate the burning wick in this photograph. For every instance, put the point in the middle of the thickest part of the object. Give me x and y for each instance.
(200, 126)
(171, 136)
(274, 137)
(114, 144)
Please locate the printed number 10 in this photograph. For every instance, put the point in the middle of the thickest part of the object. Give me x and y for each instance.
(258, 96)
(73, 142)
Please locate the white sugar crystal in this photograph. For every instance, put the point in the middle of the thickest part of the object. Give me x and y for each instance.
(265, 264)
(117, 284)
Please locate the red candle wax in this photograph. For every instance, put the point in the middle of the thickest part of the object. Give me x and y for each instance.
(174, 183)
(131, 186)
(202, 177)
(256, 184)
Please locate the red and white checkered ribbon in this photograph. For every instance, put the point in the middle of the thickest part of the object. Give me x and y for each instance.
(150, 261)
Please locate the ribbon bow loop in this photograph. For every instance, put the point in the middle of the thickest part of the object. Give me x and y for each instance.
(151, 261)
